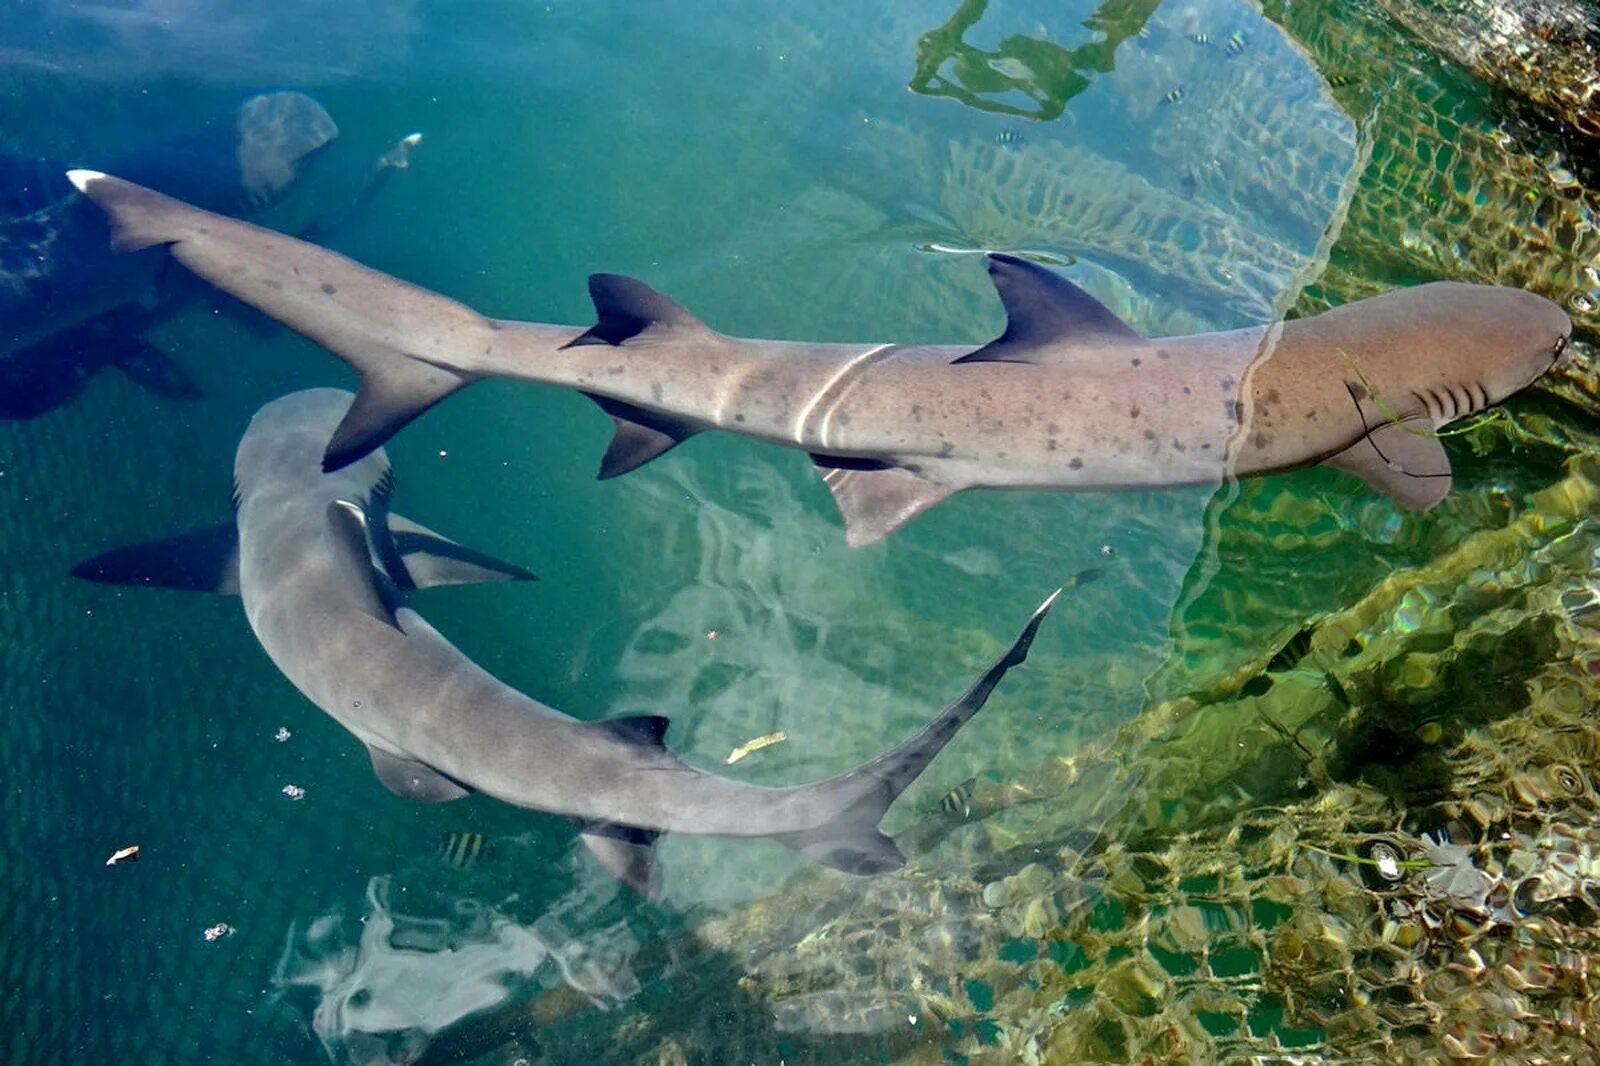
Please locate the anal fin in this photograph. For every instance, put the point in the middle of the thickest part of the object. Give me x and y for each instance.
(411, 780)
(627, 853)
(640, 436)
(1403, 460)
(876, 502)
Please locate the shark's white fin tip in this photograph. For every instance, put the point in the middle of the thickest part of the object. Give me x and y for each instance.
(82, 179)
(353, 509)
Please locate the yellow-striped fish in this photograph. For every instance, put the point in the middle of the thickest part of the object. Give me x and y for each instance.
(460, 850)
(958, 801)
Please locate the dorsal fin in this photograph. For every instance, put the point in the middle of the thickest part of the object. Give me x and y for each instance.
(347, 538)
(640, 436)
(647, 729)
(1044, 308)
(628, 308)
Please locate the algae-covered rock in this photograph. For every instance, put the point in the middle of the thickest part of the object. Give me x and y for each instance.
(1547, 52)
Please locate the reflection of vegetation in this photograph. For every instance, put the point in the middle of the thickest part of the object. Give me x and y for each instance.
(1047, 73)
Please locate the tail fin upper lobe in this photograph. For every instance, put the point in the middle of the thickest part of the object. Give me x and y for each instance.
(850, 840)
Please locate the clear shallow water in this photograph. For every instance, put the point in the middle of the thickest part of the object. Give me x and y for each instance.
(769, 168)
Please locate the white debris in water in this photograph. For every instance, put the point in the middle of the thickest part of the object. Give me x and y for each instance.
(294, 792)
(282, 734)
(217, 932)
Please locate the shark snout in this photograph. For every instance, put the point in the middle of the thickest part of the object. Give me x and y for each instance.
(1536, 332)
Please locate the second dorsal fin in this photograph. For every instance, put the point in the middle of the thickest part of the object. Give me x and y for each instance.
(647, 729)
(1044, 309)
(628, 309)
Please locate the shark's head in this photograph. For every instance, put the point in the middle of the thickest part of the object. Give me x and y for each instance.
(1447, 349)
(285, 442)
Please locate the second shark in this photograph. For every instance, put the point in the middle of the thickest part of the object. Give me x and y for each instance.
(321, 565)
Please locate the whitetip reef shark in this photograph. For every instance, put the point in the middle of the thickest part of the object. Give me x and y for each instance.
(321, 565)
(1068, 397)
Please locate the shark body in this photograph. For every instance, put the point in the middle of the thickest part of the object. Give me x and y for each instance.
(321, 566)
(1068, 397)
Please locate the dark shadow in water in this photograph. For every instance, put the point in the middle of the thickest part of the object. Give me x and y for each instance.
(37, 380)
(1047, 73)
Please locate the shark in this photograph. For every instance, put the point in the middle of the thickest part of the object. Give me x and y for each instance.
(1068, 397)
(322, 565)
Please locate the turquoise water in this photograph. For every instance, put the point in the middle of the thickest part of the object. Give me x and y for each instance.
(768, 166)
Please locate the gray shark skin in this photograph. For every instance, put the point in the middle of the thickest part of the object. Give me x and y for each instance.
(307, 562)
(1068, 397)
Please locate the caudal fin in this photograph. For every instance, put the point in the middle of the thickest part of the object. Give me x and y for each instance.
(408, 344)
(850, 840)
(139, 217)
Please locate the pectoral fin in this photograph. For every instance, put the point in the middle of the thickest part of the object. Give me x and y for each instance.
(628, 854)
(418, 558)
(203, 560)
(1403, 460)
(411, 780)
(876, 502)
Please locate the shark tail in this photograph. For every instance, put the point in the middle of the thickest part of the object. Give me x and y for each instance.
(142, 216)
(347, 308)
(850, 840)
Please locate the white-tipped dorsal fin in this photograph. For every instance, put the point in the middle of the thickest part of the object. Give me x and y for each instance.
(352, 549)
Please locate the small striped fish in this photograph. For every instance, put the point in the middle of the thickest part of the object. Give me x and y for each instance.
(460, 850)
(958, 801)
(1236, 42)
